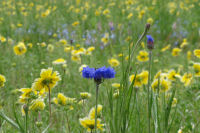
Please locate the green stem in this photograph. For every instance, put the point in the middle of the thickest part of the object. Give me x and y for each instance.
(49, 104)
(68, 124)
(139, 40)
(97, 89)
(148, 92)
(26, 120)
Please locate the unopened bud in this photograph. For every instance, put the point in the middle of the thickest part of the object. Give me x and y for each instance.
(148, 26)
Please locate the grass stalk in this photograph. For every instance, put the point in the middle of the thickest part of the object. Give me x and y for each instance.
(148, 92)
(97, 90)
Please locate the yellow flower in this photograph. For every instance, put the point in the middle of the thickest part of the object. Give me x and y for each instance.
(2, 39)
(62, 100)
(196, 67)
(163, 86)
(116, 94)
(174, 102)
(180, 131)
(50, 48)
(68, 49)
(143, 56)
(165, 48)
(81, 68)
(89, 124)
(63, 42)
(48, 79)
(76, 58)
(45, 13)
(37, 105)
(43, 44)
(140, 79)
(189, 54)
(20, 48)
(176, 51)
(172, 75)
(130, 15)
(75, 23)
(186, 79)
(106, 11)
(115, 85)
(144, 77)
(85, 95)
(59, 61)
(2, 80)
(113, 62)
(150, 20)
(92, 111)
(30, 45)
(90, 49)
(105, 40)
(184, 43)
(197, 53)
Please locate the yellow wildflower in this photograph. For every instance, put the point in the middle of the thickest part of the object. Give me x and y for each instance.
(20, 48)
(115, 85)
(89, 124)
(186, 79)
(92, 111)
(163, 86)
(50, 48)
(59, 61)
(75, 23)
(196, 67)
(143, 56)
(197, 53)
(85, 95)
(2, 80)
(63, 42)
(37, 105)
(176, 51)
(165, 48)
(140, 79)
(172, 75)
(81, 68)
(150, 21)
(48, 79)
(113, 62)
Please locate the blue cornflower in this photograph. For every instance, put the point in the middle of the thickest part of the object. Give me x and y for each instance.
(98, 74)
(150, 39)
(150, 42)
(88, 72)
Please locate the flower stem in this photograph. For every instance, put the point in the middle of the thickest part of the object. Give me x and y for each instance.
(97, 89)
(68, 123)
(49, 104)
(26, 122)
(148, 92)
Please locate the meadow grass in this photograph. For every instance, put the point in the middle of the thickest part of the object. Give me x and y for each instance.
(155, 91)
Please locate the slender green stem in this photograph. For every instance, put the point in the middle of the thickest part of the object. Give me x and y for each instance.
(49, 104)
(97, 89)
(68, 124)
(148, 92)
(26, 118)
(139, 40)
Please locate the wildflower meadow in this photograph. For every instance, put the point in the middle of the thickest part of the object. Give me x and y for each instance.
(94, 66)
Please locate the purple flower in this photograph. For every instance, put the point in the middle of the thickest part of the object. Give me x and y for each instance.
(149, 39)
(150, 42)
(109, 73)
(98, 74)
(88, 72)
